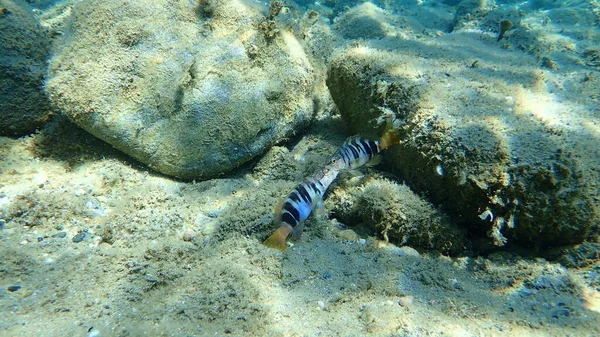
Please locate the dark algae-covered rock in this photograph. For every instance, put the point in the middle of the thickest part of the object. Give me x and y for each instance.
(192, 89)
(24, 48)
(398, 215)
(478, 146)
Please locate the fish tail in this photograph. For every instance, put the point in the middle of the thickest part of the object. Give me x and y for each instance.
(277, 239)
(388, 139)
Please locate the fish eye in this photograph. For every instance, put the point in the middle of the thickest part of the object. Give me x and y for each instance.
(325, 171)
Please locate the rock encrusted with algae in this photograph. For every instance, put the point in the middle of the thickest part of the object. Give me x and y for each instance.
(192, 89)
(397, 214)
(472, 139)
(24, 48)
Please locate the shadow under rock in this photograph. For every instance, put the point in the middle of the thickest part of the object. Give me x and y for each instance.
(64, 141)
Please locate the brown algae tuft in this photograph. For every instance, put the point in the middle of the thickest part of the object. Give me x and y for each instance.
(505, 25)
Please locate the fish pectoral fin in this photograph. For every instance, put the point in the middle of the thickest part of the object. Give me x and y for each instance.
(277, 239)
(297, 232)
(355, 173)
(320, 210)
(374, 161)
(277, 211)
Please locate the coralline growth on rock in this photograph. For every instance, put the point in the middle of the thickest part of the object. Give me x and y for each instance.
(269, 25)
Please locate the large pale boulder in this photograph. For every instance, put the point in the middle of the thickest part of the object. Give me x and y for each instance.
(24, 48)
(191, 88)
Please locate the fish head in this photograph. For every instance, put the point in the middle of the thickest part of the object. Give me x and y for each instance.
(336, 163)
(328, 175)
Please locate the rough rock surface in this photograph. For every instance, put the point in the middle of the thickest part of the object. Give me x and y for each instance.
(23, 52)
(398, 215)
(192, 89)
(477, 138)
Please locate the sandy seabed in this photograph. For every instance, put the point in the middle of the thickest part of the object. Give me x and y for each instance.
(102, 247)
(95, 244)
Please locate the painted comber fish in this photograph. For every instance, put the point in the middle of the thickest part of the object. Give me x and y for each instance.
(291, 212)
(357, 151)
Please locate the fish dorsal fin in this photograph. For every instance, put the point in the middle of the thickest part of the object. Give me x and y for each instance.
(351, 139)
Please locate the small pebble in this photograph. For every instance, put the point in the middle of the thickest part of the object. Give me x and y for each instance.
(408, 251)
(79, 237)
(406, 301)
(59, 235)
(96, 241)
(347, 234)
(321, 305)
(560, 312)
(13, 288)
(188, 236)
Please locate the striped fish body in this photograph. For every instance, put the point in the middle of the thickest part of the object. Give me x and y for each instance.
(297, 206)
(354, 153)
(357, 151)
(299, 203)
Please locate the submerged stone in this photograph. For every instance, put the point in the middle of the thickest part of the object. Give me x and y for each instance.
(397, 214)
(12, 289)
(474, 139)
(24, 48)
(192, 89)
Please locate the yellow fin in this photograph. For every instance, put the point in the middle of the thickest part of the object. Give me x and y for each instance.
(277, 239)
(388, 139)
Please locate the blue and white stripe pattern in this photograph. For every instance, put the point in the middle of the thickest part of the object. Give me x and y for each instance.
(356, 151)
(299, 203)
